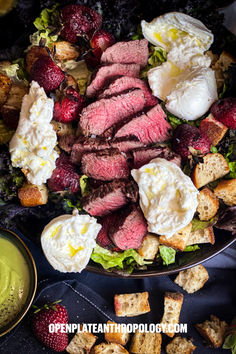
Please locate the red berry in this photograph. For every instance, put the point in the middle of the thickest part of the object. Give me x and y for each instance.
(100, 41)
(186, 136)
(225, 111)
(47, 73)
(64, 162)
(79, 20)
(57, 341)
(69, 108)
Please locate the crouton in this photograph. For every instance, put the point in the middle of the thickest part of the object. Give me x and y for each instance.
(221, 65)
(192, 279)
(63, 50)
(212, 331)
(172, 307)
(31, 195)
(129, 305)
(149, 247)
(179, 239)
(5, 87)
(201, 236)
(33, 54)
(120, 337)
(214, 129)
(81, 343)
(5, 133)
(208, 204)
(113, 348)
(214, 166)
(226, 190)
(143, 343)
(62, 128)
(180, 345)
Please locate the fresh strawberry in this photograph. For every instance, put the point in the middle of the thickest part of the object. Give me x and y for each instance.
(100, 41)
(42, 318)
(47, 73)
(64, 162)
(186, 137)
(69, 108)
(225, 111)
(79, 20)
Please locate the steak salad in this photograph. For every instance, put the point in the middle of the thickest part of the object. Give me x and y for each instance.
(128, 147)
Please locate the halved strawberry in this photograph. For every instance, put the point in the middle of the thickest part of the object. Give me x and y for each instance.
(224, 110)
(70, 106)
(100, 41)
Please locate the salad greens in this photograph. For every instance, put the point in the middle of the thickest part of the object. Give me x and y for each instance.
(230, 157)
(84, 185)
(157, 56)
(167, 254)
(200, 225)
(191, 248)
(230, 337)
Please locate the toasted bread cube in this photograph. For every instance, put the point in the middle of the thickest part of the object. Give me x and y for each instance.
(179, 240)
(226, 190)
(214, 129)
(214, 166)
(62, 128)
(201, 236)
(149, 247)
(64, 50)
(119, 337)
(192, 279)
(34, 54)
(81, 343)
(5, 87)
(146, 343)
(208, 204)
(180, 345)
(221, 65)
(172, 307)
(212, 331)
(113, 348)
(32, 195)
(129, 305)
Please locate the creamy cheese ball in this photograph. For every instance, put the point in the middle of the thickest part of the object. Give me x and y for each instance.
(168, 198)
(32, 145)
(68, 241)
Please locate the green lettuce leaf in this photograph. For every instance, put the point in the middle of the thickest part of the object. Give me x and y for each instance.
(224, 89)
(191, 248)
(213, 149)
(230, 337)
(230, 157)
(198, 224)
(118, 260)
(84, 185)
(167, 254)
(15, 71)
(80, 72)
(157, 56)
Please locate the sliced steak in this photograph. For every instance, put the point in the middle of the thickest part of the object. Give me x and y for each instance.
(66, 142)
(150, 127)
(142, 156)
(126, 83)
(103, 239)
(109, 197)
(127, 52)
(108, 73)
(126, 143)
(129, 230)
(101, 115)
(105, 165)
(84, 144)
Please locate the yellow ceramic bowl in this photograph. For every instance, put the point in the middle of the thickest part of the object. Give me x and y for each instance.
(18, 280)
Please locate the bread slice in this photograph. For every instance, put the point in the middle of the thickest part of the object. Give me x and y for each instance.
(81, 343)
(208, 204)
(192, 279)
(5, 87)
(179, 240)
(226, 190)
(31, 195)
(119, 337)
(221, 65)
(172, 307)
(201, 236)
(214, 166)
(110, 348)
(62, 128)
(214, 129)
(149, 247)
(212, 331)
(33, 55)
(129, 305)
(180, 345)
(64, 50)
(146, 342)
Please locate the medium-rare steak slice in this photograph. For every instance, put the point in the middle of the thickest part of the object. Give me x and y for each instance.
(108, 73)
(126, 83)
(129, 230)
(126, 143)
(109, 197)
(150, 127)
(105, 165)
(66, 142)
(103, 239)
(85, 144)
(127, 52)
(99, 116)
(142, 156)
